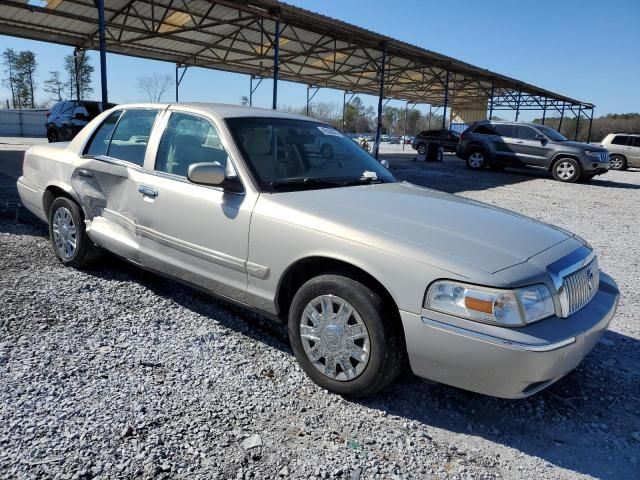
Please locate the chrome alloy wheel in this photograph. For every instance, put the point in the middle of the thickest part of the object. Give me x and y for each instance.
(616, 163)
(565, 170)
(476, 160)
(335, 338)
(64, 233)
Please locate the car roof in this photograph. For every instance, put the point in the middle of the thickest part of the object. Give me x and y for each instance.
(223, 110)
(506, 122)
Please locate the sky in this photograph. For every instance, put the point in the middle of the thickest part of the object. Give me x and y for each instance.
(585, 49)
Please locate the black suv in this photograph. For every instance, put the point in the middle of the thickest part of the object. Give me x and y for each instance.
(502, 144)
(66, 119)
(449, 140)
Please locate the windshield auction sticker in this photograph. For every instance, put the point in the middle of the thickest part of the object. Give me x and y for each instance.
(330, 131)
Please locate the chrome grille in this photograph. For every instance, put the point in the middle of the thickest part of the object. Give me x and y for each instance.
(580, 286)
(604, 157)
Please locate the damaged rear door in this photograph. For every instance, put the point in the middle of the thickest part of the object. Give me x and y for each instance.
(106, 179)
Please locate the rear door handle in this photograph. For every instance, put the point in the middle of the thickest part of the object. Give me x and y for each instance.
(148, 191)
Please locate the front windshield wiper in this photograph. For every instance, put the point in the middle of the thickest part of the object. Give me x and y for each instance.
(306, 182)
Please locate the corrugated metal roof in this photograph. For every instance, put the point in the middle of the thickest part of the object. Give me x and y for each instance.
(237, 36)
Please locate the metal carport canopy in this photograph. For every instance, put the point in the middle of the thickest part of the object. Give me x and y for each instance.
(238, 36)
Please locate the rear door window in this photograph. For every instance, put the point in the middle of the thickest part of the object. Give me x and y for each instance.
(130, 137)
(636, 141)
(504, 130)
(525, 133)
(485, 130)
(99, 143)
(620, 140)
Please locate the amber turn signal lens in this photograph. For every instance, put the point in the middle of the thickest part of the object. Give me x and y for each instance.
(478, 305)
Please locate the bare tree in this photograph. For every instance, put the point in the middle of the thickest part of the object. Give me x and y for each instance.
(154, 87)
(54, 85)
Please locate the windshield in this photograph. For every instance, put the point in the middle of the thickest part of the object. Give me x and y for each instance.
(286, 154)
(551, 134)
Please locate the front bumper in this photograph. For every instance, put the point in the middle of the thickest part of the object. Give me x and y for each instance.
(506, 362)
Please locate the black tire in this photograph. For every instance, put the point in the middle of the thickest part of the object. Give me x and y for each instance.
(386, 342)
(566, 170)
(326, 151)
(618, 162)
(477, 159)
(85, 252)
(421, 149)
(52, 135)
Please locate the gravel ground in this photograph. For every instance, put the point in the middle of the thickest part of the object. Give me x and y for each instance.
(116, 373)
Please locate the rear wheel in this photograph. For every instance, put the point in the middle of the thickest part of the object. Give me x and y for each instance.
(476, 160)
(567, 170)
(344, 337)
(618, 162)
(70, 242)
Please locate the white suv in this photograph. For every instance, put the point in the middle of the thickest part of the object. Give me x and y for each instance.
(624, 150)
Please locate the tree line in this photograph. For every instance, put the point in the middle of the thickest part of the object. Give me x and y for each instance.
(611, 123)
(359, 118)
(20, 77)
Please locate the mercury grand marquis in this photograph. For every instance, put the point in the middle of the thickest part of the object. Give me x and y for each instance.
(367, 271)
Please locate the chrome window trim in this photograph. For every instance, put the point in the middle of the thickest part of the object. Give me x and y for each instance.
(500, 342)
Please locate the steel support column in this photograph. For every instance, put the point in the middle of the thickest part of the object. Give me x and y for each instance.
(590, 124)
(575, 137)
(493, 89)
(276, 63)
(310, 97)
(253, 89)
(429, 120)
(179, 78)
(561, 118)
(518, 105)
(380, 98)
(76, 81)
(446, 101)
(103, 54)
(544, 111)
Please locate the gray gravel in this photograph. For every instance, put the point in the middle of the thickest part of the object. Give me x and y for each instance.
(116, 373)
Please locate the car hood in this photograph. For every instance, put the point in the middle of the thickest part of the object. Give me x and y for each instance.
(585, 146)
(433, 227)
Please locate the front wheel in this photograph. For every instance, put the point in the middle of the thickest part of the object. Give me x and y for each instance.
(618, 162)
(567, 170)
(52, 136)
(344, 337)
(422, 149)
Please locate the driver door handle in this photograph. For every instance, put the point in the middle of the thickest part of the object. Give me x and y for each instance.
(148, 191)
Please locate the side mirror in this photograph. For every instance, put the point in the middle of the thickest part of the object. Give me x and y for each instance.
(207, 173)
(385, 163)
(541, 138)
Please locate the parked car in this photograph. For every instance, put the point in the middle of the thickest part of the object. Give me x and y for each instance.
(65, 119)
(624, 150)
(366, 271)
(448, 138)
(502, 144)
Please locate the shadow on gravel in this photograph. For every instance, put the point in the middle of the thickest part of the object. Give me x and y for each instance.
(584, 422)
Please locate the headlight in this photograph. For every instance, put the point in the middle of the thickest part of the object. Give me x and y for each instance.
(591, 153)
(501, 307)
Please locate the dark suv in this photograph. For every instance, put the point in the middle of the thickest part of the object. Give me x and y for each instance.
(66, 119)
(503, 144)
(449, 140)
